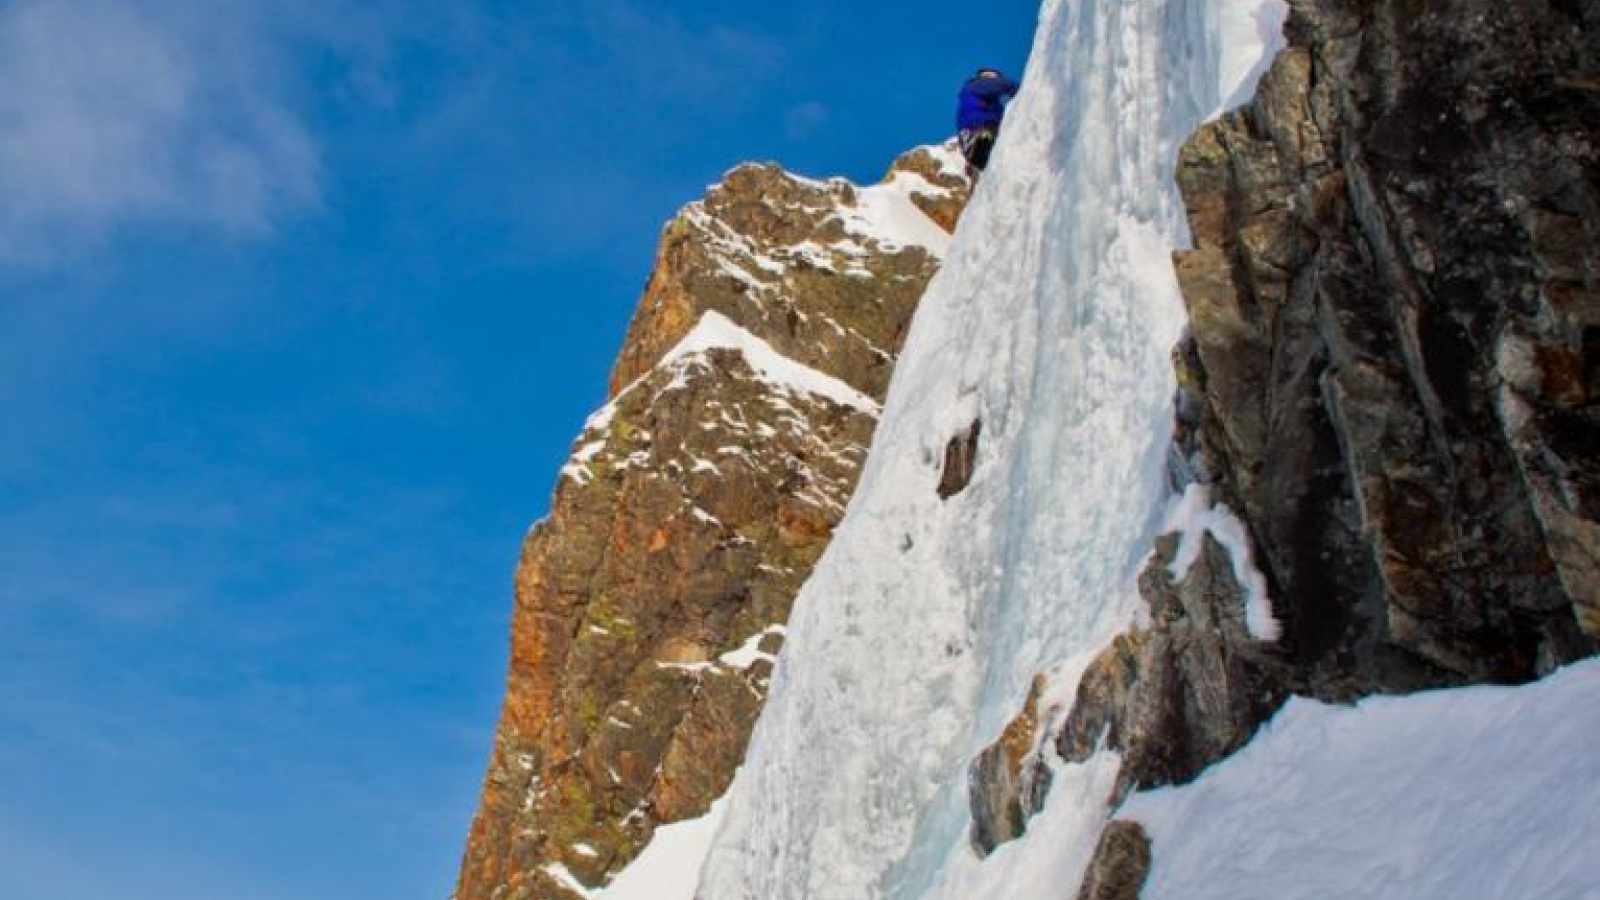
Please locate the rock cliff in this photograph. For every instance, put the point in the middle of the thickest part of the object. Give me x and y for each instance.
(1394, 307)
(1392, 381)
(651, 602)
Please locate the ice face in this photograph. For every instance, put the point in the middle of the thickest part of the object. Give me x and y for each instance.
(922, 629)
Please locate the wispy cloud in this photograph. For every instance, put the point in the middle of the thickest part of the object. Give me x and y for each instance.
(804, 119)
(118, 114)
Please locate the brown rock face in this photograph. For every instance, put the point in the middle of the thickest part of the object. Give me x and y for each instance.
(1121, 864)
(1006, 783)
(960, 459)
(650, 603)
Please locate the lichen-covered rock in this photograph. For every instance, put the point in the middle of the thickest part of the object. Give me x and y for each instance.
(795, 262)
(1002, 782)
(650, 602)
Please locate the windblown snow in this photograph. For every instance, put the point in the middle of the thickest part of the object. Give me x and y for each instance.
(885, 213)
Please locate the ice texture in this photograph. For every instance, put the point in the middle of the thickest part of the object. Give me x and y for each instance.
(922, 629)
(1490, 793)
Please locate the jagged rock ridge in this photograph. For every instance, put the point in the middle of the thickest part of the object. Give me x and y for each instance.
(650, 602)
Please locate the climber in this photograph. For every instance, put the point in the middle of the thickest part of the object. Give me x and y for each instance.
(983, 105)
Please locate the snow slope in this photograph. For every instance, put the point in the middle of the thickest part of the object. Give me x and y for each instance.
(668, 868)
(1380, 802)
(921, 631)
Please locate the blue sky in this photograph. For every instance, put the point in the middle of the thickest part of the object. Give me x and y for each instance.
(301, 304)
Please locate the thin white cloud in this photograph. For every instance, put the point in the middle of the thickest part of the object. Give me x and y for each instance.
(117, 114)
(805, 119)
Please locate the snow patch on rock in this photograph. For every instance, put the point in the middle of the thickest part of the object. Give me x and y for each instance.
(717, 331)
(885, 213)
(1193, 516)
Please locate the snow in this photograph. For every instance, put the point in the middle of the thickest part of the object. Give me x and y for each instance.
(885, 213)
(714, 331)
(669, 867)
(1251, 33)
(1193, 516)
(1490, 793)
(717, 331)
(701, 515)
(948, 156)
(1068, 827)
(577, 468)
(922, 629)
(566, 879)
(749, 653)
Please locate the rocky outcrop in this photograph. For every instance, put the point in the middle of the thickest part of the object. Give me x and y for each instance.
(1189, 689)
(650, 602)
(793, 261)
(1120, 865)
(1006, 782)
(1391, 292)
(1390, 380)
(960, 461)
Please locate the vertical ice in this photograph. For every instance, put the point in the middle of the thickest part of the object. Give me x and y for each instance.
(920, 632)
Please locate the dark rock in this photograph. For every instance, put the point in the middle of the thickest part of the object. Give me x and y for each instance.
(1395, 247)
(1120, 865)
(1191, 688)
(1394, 297)
(960, 460)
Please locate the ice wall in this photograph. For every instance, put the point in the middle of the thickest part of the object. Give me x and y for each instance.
(921, 631)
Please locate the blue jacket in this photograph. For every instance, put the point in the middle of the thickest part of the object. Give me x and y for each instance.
(983, 102)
